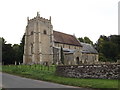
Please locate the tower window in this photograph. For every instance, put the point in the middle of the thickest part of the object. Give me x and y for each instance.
(44, 32)
(32, 33)
(31, 48)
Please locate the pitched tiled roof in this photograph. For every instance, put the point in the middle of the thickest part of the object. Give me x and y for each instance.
(63, 38)
(88, 48)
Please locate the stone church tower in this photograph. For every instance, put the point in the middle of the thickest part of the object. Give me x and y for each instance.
(43, 45)
(38, 48)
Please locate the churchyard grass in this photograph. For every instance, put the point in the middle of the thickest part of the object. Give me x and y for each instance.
(46, 73)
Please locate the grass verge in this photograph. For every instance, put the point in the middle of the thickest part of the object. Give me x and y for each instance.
(48, 74)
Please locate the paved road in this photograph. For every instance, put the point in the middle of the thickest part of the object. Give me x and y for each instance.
(12, 81)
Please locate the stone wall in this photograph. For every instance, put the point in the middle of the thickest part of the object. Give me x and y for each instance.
(103, 71)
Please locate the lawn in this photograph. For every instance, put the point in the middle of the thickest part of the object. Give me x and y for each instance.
(45, 73)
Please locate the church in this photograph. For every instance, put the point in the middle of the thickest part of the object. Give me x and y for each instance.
(43, 45)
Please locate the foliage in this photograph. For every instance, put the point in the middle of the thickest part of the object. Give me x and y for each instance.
(85, 40)
(16, 51)
(7, 52)
(108, 47)
(81, 39)
(12, 53)
(62, 56)
(35, 72)
(102, 57)
(22, 48)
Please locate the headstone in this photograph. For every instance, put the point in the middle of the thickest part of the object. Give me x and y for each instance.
(15, 63)
(118, 61)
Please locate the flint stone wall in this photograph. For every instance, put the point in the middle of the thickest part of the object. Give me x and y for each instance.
(105, 71)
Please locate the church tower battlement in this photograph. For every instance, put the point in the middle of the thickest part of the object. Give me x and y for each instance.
(40, 18)
(38, 48)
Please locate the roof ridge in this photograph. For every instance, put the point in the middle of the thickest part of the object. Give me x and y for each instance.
(63, 33)
(61, 37)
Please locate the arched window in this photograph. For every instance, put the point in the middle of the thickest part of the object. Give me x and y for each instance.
(44, 32)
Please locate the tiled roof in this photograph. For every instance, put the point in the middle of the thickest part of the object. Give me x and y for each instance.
(66, 50)
(63, 38)
(88, 48)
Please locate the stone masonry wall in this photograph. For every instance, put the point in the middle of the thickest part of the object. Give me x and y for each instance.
(103, 71)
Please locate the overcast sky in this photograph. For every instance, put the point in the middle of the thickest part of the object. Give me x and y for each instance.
(90, 18)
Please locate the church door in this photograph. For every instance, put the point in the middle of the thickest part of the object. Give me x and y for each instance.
(77, 60)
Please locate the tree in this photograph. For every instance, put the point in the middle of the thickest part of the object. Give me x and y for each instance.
(7, 54)
(99, 43)
(108, 47)
(81, 39)
(115, 39)
(2, 40)
(110, 50)
(10, 53)
(85, 40)
(62, 56)
(22, 48)
(17, 52)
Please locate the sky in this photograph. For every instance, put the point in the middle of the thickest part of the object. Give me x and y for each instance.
(81, 18)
